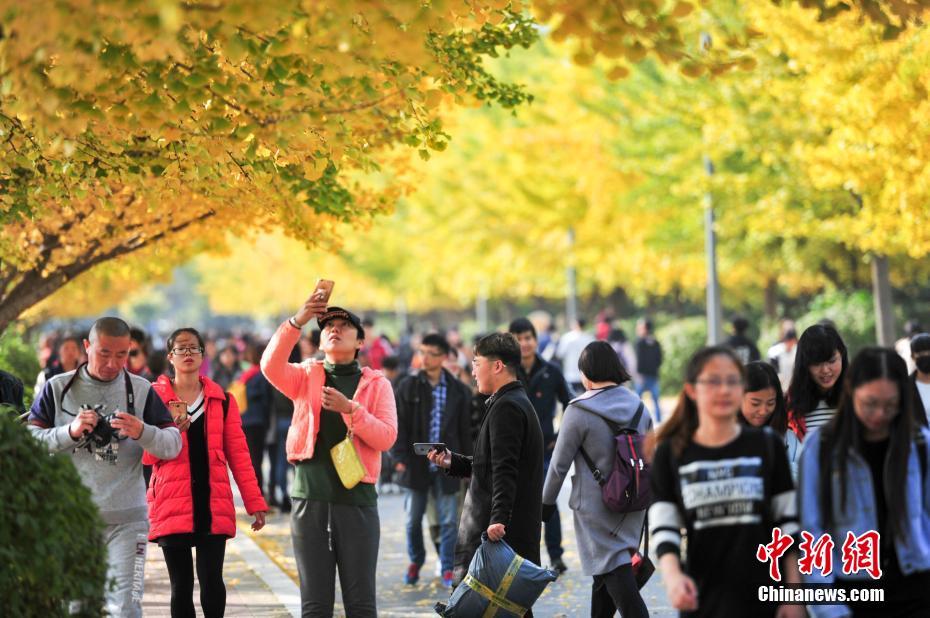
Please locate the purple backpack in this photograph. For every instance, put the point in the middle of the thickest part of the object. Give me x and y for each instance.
(627, 487)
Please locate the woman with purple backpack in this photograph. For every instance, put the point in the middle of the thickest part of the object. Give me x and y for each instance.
(607, 539)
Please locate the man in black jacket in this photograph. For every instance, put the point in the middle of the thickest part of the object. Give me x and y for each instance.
(505, 494)
(545, 385)
(432, 406)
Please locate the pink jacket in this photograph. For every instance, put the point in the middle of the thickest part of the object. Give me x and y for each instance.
(171, 502)
(374, 423)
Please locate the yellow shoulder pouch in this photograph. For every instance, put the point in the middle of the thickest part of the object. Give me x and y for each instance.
(347, 462)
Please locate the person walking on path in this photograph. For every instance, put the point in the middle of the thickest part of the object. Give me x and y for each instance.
(333, 527)
(865, 472)
(817, 381)
(606, 539)
(568, 350)
(432, 406)
(107, 453)
(727, 485)
(545, 387)
(256, 411)
(764, 406)
(745, 347)
(920, 378)
(504, 497)
(648, 363)
(189, 497)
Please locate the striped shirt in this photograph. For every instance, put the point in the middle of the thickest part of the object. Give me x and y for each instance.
(819, 416)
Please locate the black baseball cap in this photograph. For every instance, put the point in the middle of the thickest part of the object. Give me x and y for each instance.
(338, 313)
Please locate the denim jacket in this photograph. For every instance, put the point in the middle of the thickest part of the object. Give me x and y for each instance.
(858, 514)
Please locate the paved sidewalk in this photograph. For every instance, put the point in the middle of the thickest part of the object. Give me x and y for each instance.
(261, 574)
(248, 592)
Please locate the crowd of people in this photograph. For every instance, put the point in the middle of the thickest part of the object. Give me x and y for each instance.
(802, 440)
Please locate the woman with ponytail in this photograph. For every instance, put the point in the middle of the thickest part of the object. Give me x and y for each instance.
(727, 485)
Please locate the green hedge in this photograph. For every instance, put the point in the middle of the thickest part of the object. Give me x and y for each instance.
(18, 357)
(680, 339)
(51, 536)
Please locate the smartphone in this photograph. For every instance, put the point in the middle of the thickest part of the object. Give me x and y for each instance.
(323, 290)
(423, 448)
(178, 411)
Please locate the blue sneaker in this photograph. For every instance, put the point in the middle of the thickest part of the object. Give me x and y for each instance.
(413, 574)
(447, 579)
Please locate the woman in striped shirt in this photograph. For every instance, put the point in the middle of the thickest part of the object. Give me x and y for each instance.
(817, 380)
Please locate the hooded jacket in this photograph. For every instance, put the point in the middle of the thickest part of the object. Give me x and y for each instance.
(170, 496)
(374, 423)
(605, 538)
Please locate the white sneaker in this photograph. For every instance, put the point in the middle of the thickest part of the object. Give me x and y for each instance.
(438, 568)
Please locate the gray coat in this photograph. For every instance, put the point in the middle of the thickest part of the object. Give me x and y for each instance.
(605, 538)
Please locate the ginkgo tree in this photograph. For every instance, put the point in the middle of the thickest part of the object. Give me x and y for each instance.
(127, 124)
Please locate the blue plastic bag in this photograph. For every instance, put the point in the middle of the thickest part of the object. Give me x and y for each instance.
(499, 583)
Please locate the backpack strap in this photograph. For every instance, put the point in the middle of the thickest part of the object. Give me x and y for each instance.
(594, 470)
(225, 404)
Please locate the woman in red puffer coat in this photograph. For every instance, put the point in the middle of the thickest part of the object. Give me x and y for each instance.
(190, 499)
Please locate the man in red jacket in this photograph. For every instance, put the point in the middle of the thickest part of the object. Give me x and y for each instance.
(333, 526)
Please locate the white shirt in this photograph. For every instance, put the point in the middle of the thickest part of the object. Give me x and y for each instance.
(571, 345)
(195, 409)
(924, 390)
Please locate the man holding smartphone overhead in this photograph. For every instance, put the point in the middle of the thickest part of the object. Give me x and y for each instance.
(432, 406)
(333, 525)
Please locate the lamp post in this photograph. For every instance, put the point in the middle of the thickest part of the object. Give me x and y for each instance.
(571, 300)
(714, 312)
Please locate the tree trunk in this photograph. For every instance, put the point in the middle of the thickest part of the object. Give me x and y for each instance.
(20, 291)
(771, 300)
(881, 292)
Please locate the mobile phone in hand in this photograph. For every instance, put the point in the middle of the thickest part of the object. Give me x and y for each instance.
(423, 448)
(323, 290)
(178, 411)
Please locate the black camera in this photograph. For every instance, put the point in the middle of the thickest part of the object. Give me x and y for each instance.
(103, 432)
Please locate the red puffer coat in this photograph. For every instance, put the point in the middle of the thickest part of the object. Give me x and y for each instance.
(170, 498)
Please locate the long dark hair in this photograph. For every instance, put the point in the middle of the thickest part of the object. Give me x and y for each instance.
(683, 422)
(599, 363)
(844, 432)
(817, 345)
(760, 376)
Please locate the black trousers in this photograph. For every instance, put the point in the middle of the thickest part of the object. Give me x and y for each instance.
(328, 537)
(617, 590)
(255, 438)
(210, 555)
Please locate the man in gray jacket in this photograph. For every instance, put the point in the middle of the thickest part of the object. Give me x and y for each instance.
(108, 452)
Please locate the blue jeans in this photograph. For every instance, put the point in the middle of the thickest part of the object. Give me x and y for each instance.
(651, 384)
(553, 526)
(446, 508)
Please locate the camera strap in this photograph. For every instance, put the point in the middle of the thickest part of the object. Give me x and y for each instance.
(130, 394)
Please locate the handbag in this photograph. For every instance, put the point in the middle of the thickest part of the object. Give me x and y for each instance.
(347, 462)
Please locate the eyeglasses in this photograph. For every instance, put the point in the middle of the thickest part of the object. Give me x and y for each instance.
(870, 406)
(717, 383)
(432, 353)
(135, 353)
(187, 351)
